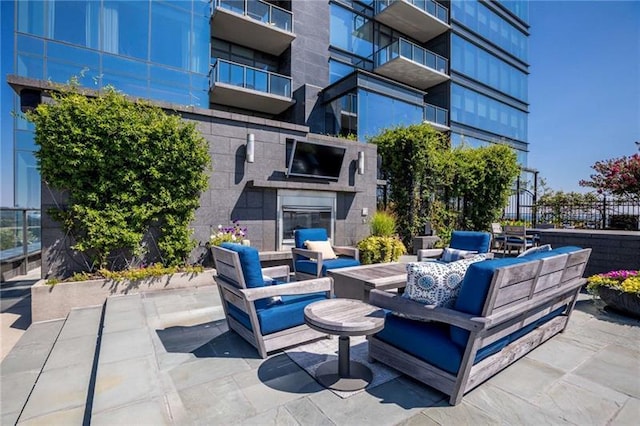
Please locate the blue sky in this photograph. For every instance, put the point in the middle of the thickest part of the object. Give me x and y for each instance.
(584, 87)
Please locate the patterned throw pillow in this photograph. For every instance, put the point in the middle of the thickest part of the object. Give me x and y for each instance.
(434, 283)
(546, 247)
(451, 254)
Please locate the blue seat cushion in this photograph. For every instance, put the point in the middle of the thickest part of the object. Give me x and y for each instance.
(281, 316)
(310, 234)
(430, 341)
(311, 267)
(474, 290)
(515, 240)
(471, 241)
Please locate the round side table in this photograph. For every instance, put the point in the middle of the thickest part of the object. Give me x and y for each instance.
(344, 318)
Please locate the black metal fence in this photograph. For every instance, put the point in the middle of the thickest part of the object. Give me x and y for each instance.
(605, 213)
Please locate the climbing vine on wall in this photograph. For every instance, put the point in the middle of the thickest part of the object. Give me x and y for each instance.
(130, 170)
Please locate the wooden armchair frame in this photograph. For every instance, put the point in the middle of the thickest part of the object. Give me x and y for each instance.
(515, 236)
(233, 289)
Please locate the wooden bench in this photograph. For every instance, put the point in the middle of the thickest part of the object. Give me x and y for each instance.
(505, 308)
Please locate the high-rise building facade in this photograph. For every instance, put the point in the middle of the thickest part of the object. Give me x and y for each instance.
(340, 67)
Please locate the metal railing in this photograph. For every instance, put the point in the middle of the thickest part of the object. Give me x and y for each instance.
(259, 10)
(431, 7)
(235, 74)
(604, 213)
(19, 235)
(435, 114)
(413, 52)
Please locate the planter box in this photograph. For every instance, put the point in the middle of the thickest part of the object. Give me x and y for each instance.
(626, 303)
(53, 302)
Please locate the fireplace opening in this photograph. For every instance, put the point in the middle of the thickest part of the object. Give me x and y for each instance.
(303, 210)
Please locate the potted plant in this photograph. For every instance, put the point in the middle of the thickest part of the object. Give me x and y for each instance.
(620, 290)
(383, 245)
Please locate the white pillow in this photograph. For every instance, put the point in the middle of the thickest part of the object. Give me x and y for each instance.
(322, 246)
(451, 254)
(435, 283)
(546, 247)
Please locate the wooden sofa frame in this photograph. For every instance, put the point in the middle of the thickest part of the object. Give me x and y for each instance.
(233, 289)
(519, 294)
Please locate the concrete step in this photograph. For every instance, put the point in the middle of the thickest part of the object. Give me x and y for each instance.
(23, 364)
(129, 387)
(64, 385)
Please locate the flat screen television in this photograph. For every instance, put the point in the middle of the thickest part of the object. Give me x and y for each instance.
(314, 160)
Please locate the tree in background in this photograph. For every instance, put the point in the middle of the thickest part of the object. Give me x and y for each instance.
(132, 173)
(412, 161)
(558, 207)
(482, 179)
(618, 176)
(463, 188)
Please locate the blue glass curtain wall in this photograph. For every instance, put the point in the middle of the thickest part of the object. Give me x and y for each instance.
(351, 32)
(520, 8)
(476, 110)
(377, 112)
(478, 18)
(153, 49)
(458, 139)
(480, 65)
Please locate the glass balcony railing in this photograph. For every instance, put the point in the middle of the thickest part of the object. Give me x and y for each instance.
(431, 7)
(247, 77)
(260, 11)
(412, 52)
(19, 233)
(435, 114)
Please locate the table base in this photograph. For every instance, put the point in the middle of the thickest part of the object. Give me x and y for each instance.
(359, 376)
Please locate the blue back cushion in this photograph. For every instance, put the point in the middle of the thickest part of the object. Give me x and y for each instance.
(470, 240)
(311, 234)
(474, 290)
(250, 263)
(554, 252)
(251, 268)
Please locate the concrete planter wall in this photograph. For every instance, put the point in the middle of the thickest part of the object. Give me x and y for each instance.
(611, 250)
(52, 302)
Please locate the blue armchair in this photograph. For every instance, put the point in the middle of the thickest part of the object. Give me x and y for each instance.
(462, 244)
(313, 254)
(260, 304)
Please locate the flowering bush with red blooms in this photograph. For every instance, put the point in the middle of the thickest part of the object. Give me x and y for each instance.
(618, 176)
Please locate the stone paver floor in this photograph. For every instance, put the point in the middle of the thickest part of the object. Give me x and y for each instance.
(178, 364)
(589, 375)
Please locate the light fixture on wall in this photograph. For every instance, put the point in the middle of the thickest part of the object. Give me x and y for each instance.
(251, 141)
(360, 162)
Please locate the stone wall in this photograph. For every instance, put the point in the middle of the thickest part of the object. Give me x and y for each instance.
(244, 191)
(610, 250)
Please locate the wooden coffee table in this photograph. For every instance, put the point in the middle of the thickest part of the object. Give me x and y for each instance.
(357, 281)
(344, 318)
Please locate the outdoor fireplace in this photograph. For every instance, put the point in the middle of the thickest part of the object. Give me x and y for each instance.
(304, 209)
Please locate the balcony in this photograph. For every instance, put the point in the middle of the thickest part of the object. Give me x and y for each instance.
(420, 19)
(436, 116)
(411, 64)
(253, 23)
(249, 88)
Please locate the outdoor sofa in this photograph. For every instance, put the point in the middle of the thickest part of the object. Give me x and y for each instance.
(505, 308)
